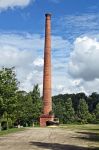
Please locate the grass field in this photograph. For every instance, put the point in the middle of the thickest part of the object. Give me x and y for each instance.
(91, 127)
(88, 132)
(13, 130)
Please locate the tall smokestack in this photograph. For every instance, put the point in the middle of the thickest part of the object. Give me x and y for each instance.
(47, 101)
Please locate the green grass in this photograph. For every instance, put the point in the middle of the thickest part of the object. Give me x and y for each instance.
(91, 127)
(13, 130)
(89, 132)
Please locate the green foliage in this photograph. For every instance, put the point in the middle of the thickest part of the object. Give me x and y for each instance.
(8, 88)
(23, 111)
(20, 107)
(83, 112)
(37, 103)
(1, 107)
(35, 94)
(17, 107)
(97, 112)
(88, 113)
(58, 110)
(69, 113)
(28, 107)
(8, 82)
(12, 130)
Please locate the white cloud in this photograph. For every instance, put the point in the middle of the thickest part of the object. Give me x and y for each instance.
(84, 60)
(25, 52)
(75, 25)
(59, 43)
(81, 21)
(38, 62)
(81, 72)
(20, 50)
(4, 4)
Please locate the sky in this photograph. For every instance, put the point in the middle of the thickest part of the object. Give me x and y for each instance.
(75, 43)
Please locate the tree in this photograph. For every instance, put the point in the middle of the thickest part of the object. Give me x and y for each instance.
(1, 110)
(69, 113)
(83, 112)
(37, 102)
(93, 100)
(58, 110)
(97, 112)
(8, 88)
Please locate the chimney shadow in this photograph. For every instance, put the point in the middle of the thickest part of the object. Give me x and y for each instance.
(56, 146)
(90, 136)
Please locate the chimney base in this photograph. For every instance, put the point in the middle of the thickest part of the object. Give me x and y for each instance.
(44, 118)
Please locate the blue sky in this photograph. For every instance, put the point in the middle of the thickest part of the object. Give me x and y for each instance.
(75, 42)
(31, 18)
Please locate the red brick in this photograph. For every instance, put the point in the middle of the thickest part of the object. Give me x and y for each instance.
(47, 89)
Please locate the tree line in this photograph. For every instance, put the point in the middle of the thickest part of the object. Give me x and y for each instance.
(21, 108)
(77, 108)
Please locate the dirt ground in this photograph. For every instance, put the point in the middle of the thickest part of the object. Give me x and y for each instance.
(46, 139)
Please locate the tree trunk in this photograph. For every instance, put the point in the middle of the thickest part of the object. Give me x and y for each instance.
(0, 126)
(7, 124)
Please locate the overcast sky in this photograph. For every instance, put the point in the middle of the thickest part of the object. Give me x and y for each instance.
(75, 43)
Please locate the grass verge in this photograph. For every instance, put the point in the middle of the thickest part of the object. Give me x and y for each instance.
(88, 133)
(91, 127)
(13, 130)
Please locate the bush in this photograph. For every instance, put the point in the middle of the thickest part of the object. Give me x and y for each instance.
(10, 124)
(4, 125)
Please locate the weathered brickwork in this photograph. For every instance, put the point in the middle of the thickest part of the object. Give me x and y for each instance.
(47, 100)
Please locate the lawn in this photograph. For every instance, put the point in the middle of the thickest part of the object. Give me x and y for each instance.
(87, 132)
(13, 130)
(91, 127)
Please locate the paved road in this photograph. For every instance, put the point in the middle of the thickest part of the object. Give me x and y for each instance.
(43, 139)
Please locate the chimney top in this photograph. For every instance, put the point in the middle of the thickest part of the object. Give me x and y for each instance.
(48, 14)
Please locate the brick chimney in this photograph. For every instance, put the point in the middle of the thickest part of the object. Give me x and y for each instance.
(47, 100)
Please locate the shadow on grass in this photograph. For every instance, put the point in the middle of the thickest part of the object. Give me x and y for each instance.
(56, 146)
(90, 136)
(94, 130)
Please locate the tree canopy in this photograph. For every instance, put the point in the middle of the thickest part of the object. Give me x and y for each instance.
(20, 107)
(84, 108)
(17, 107)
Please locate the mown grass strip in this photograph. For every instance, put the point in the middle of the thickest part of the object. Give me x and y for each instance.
(13, 130)
(92, 127)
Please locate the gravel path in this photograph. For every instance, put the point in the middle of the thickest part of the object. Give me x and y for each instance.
(44, 139)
